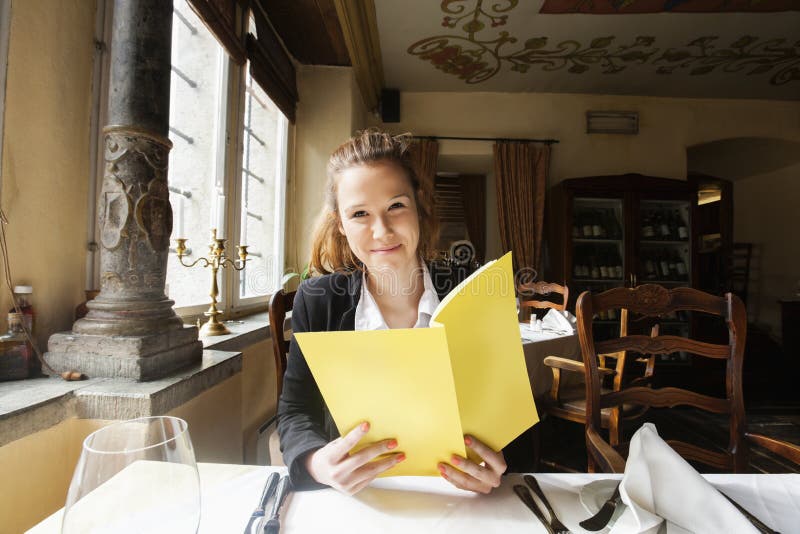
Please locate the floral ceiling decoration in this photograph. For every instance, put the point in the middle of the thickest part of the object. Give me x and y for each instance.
(606, 7)
(475, 52)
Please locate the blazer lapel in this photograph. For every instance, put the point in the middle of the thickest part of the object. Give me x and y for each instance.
(348, 319)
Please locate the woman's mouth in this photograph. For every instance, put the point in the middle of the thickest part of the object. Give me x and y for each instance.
(385, 250)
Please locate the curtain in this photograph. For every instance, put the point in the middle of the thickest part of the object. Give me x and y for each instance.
(270, 65)
(521, 171)
(220, 16)
(473, 196)
(424, 153)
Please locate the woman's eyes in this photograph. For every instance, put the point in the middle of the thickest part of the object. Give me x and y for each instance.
(362, 213)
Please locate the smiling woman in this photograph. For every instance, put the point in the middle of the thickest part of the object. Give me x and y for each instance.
(373, 238)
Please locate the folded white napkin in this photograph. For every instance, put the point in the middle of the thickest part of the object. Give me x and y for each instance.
(557, 320)
(659, 485)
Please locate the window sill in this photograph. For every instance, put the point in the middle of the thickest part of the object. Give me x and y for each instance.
(32, 405)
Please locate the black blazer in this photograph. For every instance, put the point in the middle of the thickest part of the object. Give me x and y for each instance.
(328, 303)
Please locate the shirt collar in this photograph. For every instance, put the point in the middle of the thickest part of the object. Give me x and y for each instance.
(368, 315)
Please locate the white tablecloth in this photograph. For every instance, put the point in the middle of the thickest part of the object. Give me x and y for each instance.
(539, 345)
(429, 504)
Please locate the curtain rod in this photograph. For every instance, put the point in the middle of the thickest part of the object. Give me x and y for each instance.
(496, 139)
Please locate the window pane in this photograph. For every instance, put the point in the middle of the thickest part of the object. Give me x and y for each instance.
(263, 179)
(196, 122)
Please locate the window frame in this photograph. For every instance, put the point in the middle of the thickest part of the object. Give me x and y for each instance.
(229, 153)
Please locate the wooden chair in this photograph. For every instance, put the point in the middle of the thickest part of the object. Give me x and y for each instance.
(526, 305)
(280, 303)
(570, 403)
(654, 301)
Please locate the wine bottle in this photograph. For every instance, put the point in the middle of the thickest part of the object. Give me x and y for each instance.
(663, 227)
(597, 229)
(586, 224)
(683, 231)
(680, 266)
(649, 267)
(673, 267)
(663, 264)
(603, 266)
(594, 272)
(647, 227)
(617, 265)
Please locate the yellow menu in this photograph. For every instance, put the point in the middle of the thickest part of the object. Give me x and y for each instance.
(427, 387)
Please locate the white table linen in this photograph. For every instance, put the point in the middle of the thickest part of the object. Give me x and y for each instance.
(659, 486)
(431, 505)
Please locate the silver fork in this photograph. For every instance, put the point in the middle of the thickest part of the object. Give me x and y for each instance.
(555, 523)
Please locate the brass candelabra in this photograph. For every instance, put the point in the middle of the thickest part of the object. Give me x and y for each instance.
(216, 259)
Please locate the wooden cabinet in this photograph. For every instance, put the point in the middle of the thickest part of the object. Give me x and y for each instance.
(621, 231)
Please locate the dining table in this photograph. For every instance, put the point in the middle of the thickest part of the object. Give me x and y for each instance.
(230, 493)
(538, 345)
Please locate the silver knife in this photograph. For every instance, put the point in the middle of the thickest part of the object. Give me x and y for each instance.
(599, 520)
(273, 524)
(258, 513)
(756, 522)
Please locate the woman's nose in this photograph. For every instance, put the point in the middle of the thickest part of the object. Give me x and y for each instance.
(381, 227)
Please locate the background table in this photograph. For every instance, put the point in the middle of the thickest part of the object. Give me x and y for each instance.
(539, 345)
(429, 504)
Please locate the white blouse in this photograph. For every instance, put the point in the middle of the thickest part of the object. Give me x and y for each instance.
(368, 314)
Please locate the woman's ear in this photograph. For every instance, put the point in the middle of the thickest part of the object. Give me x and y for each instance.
(339, 225)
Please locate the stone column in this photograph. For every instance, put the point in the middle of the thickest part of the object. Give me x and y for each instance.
(131, 329)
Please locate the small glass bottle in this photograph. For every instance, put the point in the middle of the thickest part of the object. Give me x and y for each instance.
(24, 297)
(16, 354)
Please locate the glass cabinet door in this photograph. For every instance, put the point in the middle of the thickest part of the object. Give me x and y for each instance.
(598, 252)
(664, 258)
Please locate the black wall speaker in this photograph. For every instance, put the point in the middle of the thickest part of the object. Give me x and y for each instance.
(390, 105)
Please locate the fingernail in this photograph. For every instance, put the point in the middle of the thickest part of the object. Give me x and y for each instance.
(467, 440)
(441, 470)
(401, 457)
(365, 427)
(392, 444)
(456, 460)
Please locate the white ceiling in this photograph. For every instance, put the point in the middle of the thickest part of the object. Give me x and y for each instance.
(603, 47)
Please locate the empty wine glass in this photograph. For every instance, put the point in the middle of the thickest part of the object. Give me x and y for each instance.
(135, 476)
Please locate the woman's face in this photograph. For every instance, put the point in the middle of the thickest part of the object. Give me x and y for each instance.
(379, 216)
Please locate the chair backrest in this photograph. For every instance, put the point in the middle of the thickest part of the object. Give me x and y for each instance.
(655, 301)
(279, 304)
(541, 288)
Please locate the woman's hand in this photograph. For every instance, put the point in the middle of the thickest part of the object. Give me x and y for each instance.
(470, 476)
(334, 466)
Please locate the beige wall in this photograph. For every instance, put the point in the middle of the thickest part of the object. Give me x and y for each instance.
(329, 111)
(259, 394)
(45, 167)
(765, 174)
(766, 214)
(667, 127)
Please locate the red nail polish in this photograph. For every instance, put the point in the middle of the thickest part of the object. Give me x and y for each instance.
(441, 469)
(456, 460)
(401, 457)
(468, 440)
(365, 427)
(392, 444)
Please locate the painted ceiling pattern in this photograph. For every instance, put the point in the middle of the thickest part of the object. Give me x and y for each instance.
(605, 7)
(475, 57)
(513, 45)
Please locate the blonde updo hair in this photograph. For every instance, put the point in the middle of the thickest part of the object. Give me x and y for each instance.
(329, 250)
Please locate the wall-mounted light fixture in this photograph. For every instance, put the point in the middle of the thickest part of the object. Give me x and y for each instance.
(612, 122)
